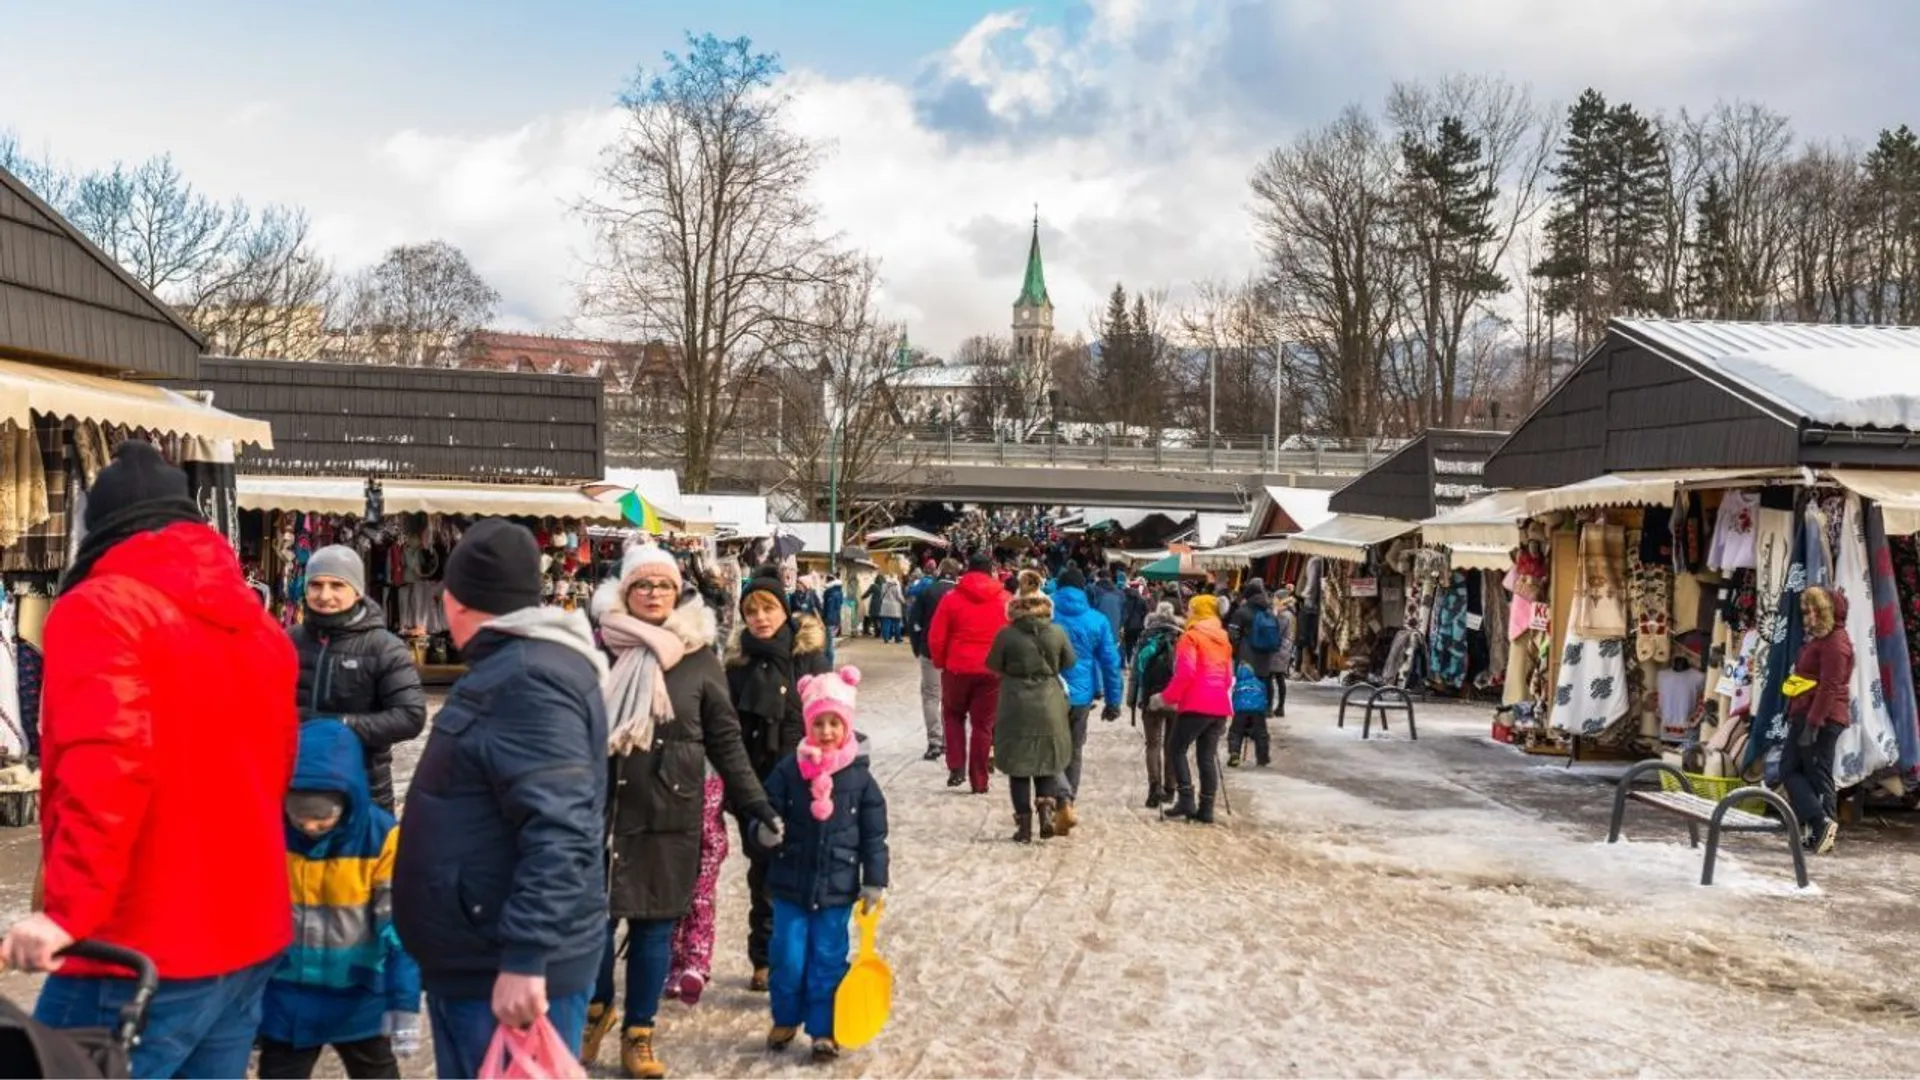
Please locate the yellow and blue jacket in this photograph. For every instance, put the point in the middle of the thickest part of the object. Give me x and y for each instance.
(345, 969)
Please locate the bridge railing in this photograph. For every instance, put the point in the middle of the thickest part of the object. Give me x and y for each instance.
(962, 447)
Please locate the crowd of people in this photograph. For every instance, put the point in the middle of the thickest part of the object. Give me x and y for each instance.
(573, 785)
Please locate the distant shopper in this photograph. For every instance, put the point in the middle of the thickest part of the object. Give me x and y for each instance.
(1258, 637)
(509, 801)
(1249, 719)
(168, 738)
(1133, 619)
(1033, 741)
(1097, 678)
(893, 609)
(355, 670)
(1201, 699)
(1152, 672)
(919, 625)
(1817, 715)
(963, 630)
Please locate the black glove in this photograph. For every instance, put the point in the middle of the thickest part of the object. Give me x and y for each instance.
(1110, 713)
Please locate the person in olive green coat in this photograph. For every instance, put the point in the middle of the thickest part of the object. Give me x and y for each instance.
(1032, 741)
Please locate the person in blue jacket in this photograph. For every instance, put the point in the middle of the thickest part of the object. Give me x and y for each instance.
(830, 852)
(1109, 600)
(1099, 676)
(345, 981)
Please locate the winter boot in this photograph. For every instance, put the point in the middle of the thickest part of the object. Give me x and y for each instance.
(1044, 808)
(956, 777)
(1065, 819)
(825, 1050)
(1182, 806)
(762, 978)
(600, 1021)
(689, 987)
(934, 752)
(1233, 760)
(636, 1055)
(781, 1037)
(1154, 798)
(1023, 828)
(1203, 815)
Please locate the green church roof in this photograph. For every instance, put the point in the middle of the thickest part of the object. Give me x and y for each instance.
(1033, 291)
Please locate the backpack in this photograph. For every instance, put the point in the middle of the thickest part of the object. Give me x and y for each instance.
(1249, 693)
(1153, 667)
(1265, 635)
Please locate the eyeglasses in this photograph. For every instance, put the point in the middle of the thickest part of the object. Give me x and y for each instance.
(653, 586)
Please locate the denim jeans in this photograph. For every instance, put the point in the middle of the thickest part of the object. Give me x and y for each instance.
(889, 629)
(195, 1027)
(649, 955)
(463, 1029)
(809, 960)
(1077, 724)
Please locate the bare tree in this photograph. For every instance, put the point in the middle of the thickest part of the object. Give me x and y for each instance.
(842, 376)
(1325, 211)
(416, 307)
(1009, 393)
(1232, 337)
(705, 235)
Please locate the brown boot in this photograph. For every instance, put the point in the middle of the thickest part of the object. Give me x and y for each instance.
(1044, 808)
(636, 1055)
(1065, 819)
(600, 1021)
(1023, 828)
(781, 1037)
(762, 978)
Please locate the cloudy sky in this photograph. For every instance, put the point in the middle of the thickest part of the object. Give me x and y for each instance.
(1132, 123)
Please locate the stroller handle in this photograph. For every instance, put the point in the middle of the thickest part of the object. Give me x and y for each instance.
(133, 1015)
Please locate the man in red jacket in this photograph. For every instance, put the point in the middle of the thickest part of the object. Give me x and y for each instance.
(168, 739)
(964, 626)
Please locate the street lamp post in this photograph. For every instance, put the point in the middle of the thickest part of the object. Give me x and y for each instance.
(1213, 380)
(1279, 369)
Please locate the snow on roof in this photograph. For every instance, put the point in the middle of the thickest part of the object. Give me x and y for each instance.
(744, 515)
(936, 377)
(1210, 529)
(1839, 376)
(1306, 506)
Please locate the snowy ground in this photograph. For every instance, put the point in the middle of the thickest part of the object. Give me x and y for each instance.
(1446, 906)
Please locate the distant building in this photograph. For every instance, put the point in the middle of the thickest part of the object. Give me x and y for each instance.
(1033, 312)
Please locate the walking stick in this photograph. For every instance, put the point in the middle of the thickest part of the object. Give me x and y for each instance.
(1219, 766)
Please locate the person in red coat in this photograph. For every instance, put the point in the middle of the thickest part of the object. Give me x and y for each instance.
(168, 741)
(1817, 716)
(964, 626)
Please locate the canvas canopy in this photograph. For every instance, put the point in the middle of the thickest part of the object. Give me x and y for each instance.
(341, 495)
(26, 389)
(1235, 556)
(1347, 537)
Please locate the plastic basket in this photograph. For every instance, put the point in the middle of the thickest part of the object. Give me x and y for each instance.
(1715, 788)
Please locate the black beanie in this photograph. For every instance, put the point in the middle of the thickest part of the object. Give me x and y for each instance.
(495, 568)
(138, 475)
(981, 563)
(768, 580)
(1072, 578)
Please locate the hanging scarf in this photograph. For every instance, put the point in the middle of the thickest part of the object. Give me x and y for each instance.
(1890, 642)
(817, 766)
(636, 689)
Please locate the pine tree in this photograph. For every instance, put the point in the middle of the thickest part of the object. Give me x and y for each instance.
(1889, 227)
(1713, 287)
(1446, 208)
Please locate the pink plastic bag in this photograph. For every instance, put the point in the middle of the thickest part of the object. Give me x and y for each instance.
(538, 1053)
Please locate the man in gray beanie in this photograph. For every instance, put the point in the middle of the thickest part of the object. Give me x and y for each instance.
(353, 668)
(510, 801)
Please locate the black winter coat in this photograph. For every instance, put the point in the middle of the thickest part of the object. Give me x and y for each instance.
(1134, 614)
(824, 864)
(354, 669)
(501, 865)
(755, 678)
(657, 796)
(920, 615)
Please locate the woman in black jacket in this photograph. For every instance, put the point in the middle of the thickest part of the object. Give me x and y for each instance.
(668, 717)
(764, 667)
(353, 668)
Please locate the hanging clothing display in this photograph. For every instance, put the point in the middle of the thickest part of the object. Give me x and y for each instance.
(1890, 643)
(1868, 743)
(1447, 646)
(1818, 543)
(1600, 606)
(208, 464)
(1591, 693)
(1689, 526)
(13, 728)
(1679, 695)
(1649, 601)
(1769, 727)
(1906, 572)
(1773, 555)
(1493, 623)
(1733, 531)
(42, 547)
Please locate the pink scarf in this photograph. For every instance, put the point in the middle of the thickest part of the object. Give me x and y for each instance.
(636, 689)
(817, 766)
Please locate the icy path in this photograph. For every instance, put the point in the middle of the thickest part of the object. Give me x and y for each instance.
(1371, 909)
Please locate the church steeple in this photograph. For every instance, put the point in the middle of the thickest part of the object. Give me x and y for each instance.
(1033, 311)
(1033, 291)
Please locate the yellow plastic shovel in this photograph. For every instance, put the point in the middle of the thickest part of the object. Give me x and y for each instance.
(865, 998)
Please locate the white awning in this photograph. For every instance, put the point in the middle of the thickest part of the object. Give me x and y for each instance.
(1897, 492)
(26, 389)
(1642, 488)
(1235, 556)
(1346, 537)
(1479, 556)
(1489, 521)
(337, 495)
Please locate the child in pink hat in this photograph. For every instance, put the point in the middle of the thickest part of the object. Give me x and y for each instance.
(832, 852)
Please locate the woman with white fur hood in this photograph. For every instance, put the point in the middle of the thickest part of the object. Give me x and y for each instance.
(669, 716)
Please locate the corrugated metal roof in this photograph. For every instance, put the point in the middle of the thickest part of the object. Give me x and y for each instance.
(1838, 376)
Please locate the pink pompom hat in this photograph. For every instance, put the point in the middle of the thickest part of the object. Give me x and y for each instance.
(830, 693)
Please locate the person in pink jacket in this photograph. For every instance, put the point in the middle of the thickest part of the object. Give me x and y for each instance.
(1201, 699)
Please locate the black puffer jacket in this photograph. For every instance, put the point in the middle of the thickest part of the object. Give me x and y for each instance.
(761, 682)
(656, 796)
(353, 668)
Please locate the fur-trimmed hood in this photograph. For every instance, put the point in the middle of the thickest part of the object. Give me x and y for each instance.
(1026, 604)
(809, 636)
(693, 622)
